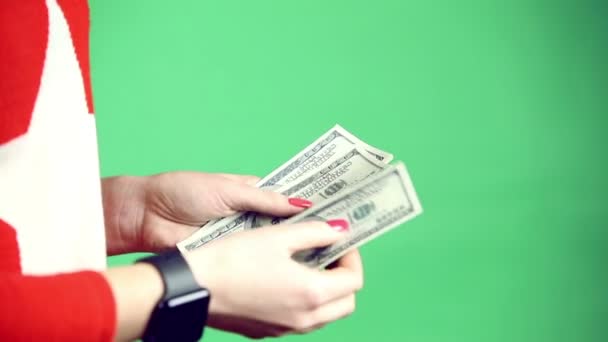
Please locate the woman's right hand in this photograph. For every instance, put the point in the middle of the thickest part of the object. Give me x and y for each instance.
(258, 290)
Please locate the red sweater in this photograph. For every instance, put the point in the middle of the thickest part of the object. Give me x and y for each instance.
(52, 244)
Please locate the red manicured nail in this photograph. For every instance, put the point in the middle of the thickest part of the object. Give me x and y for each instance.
(300, 202)
(339, 225)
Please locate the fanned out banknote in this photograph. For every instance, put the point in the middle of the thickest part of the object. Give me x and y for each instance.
(332, 145)
(344, 178)
(355, 166)
(372, 207)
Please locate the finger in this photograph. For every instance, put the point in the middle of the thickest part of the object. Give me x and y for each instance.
(351, 260)
(339, 282)
(249, 198)
(305, 235)
(246, 179)
(311, 329)
(342, 280)
(333, 311)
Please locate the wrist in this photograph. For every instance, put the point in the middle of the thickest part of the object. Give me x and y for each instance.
(207, 273)
(124, 208)
(136, 289)
(181, 313)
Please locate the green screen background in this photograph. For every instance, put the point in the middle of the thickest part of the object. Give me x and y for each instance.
(499, 109)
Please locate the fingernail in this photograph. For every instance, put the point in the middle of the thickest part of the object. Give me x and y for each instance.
(339, 225)
(300, 202)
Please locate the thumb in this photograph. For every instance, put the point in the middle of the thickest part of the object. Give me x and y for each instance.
(306, 235)
(249, 198)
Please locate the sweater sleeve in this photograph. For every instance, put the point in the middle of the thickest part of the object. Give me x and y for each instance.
(66, 307)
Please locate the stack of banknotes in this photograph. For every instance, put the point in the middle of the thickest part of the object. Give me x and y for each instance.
(344, 178)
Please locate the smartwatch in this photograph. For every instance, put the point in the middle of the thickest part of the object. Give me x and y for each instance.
(181, 314)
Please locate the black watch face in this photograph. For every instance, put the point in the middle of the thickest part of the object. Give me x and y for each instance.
(181, 318)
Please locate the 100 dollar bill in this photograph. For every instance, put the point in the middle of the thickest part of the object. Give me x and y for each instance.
(331, 146)
(336, 178)
(372, 207)
(345, 171)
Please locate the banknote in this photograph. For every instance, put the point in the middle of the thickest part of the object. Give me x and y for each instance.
(372, 207)
(332, 145)
(345, 170)
(355, 166)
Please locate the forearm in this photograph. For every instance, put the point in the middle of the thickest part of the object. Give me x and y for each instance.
(113, 305)
(122, 207)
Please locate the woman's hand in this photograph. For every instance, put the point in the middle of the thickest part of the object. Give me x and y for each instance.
(156, 212)
(258, 290)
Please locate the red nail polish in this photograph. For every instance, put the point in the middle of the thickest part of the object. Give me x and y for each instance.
(300, 202)
(339, 225)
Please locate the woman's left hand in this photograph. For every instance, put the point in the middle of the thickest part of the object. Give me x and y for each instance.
(149, 214)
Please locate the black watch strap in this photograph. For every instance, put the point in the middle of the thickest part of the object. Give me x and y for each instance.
(181, 314)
